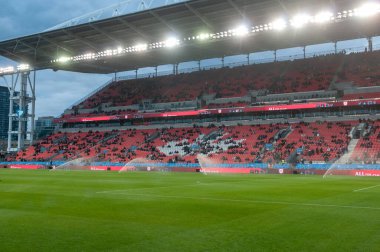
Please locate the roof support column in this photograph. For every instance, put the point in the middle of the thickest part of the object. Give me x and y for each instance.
(175, 68)
(304, 52)
(370, 44)
(275, 55)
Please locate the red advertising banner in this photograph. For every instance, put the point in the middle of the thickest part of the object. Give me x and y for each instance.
(284, 107)
(366, 173)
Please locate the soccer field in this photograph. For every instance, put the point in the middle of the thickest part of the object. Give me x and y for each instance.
(108, 211)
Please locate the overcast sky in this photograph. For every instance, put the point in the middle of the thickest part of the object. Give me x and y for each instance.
(56, 91)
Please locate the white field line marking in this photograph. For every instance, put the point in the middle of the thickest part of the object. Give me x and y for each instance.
(146, 188)
(249, 201)
(366, 188)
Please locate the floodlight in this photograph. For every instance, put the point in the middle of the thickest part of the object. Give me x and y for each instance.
(171, 42)
(323, 17)
(120, 50)
(203, 36)
(240, 31)
(300, 20)
(108, 52)
(63, 59)
(23, 67)
(367, 10)
(7, 70)
(278, 24)
(141, 47)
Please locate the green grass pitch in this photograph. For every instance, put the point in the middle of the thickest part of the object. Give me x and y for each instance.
(142, 211)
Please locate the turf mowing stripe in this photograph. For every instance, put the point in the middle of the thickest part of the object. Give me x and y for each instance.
(249, 201)
(366, 188)
(145, 188)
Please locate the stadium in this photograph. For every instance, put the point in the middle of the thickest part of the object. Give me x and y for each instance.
(228, 125)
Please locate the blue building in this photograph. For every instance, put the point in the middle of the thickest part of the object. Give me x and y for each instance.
(4, 112)
(44, 126)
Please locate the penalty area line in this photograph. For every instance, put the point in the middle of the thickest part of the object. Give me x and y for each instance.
(366, 188)
(249, 201)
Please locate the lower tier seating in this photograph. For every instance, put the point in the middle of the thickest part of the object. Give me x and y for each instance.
(271, 143)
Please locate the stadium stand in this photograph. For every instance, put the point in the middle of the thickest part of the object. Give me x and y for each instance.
(368, 148)
(279, 77)
(278, 82)
(272, 143)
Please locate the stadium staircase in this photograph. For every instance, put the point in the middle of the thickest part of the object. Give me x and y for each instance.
(347, 156)
(337, 73)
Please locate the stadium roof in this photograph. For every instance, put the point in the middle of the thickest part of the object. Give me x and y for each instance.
(119, 9)
(180, 19)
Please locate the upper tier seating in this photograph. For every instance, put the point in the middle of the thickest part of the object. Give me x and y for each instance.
(279, 77)
(363, 69)
(303, 75)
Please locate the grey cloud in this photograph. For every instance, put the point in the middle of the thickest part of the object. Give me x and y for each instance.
(55, 91)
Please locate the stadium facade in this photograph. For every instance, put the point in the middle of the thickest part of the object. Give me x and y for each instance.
(299, 112)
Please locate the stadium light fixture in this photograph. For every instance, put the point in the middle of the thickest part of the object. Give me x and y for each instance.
(12, 70)
(141, 47)
(240, 31)
(171, 42)
(63, 59)
(323, 17)
(120, 50)
(7, 70)
(203, 36)
(367, 10)
(300, 20)
(23, 67)
(278, 24)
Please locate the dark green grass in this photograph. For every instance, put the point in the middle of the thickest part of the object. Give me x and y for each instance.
(70, 211)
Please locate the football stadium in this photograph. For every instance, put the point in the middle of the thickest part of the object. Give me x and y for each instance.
(228, 125)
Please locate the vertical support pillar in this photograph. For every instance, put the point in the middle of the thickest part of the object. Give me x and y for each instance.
(223, 61)
(304, 52)
(199, 65)
(175, 68)
(136, 73)
(10, 115)
(275, 55)
(33, 112)
(156, 69)
(336, 47)
(248, 60)
(22, 112)
(370, 44)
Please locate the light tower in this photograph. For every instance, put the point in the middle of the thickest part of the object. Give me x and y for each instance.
(21, 95)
